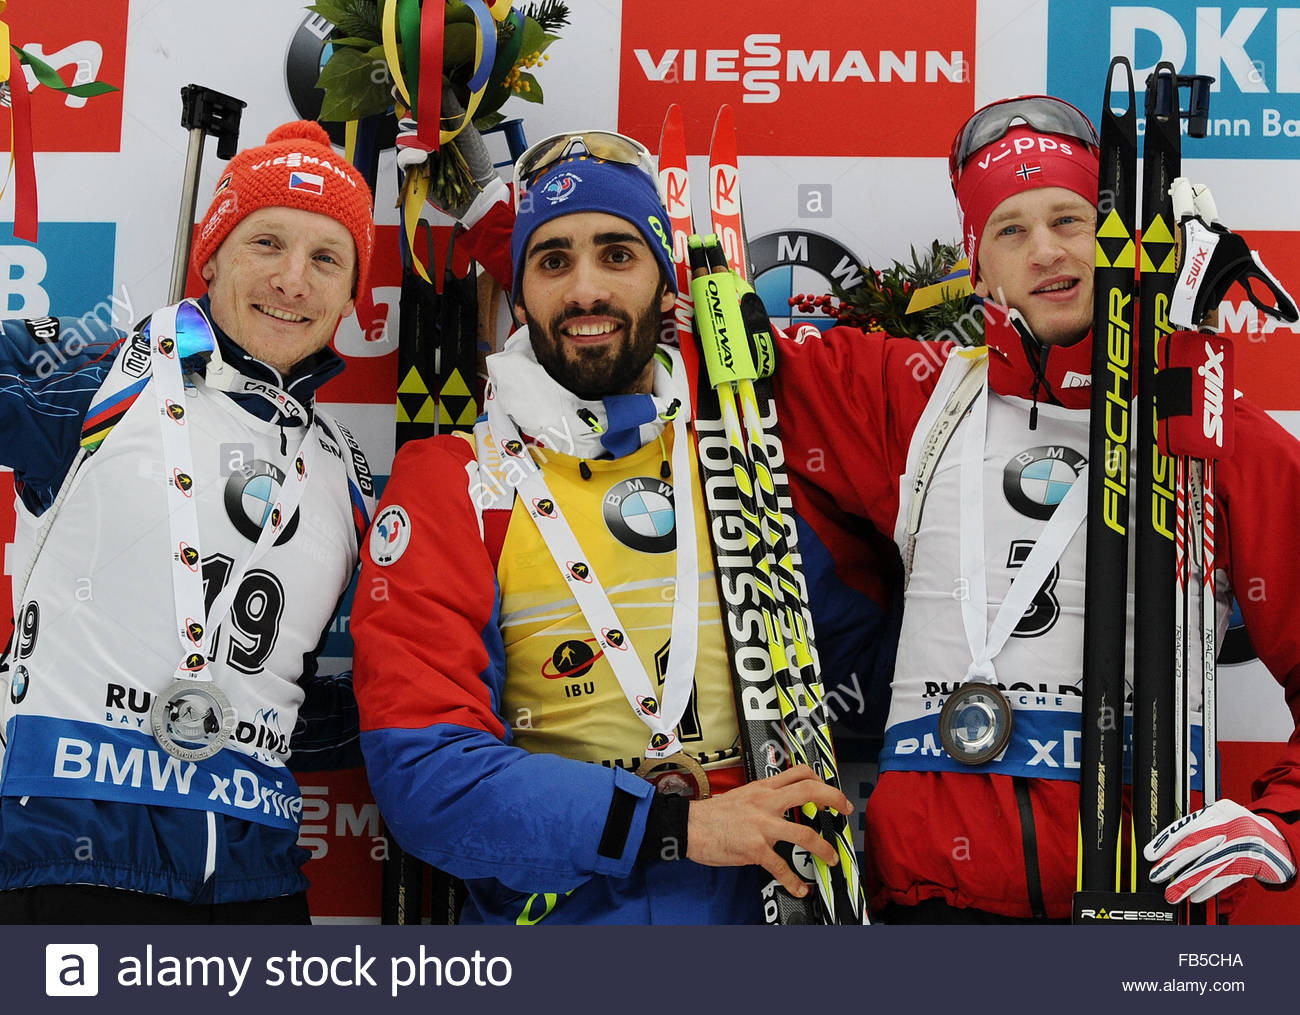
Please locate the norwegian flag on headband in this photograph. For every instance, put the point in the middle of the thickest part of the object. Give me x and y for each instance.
(309, 182)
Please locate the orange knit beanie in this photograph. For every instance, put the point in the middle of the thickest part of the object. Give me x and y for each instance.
(296, 168)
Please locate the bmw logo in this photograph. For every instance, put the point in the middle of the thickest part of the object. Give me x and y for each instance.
(639, 514)
(797, 261)
(250, 498)
(1037, 480)
(19, 684)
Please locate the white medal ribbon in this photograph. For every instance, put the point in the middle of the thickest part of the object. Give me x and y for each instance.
(183, 515)
(986, 643)
(663, 716)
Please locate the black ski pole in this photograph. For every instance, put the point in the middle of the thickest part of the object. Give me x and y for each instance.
(203, 112)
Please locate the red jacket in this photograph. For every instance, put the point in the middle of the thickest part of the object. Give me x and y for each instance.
(963, 838)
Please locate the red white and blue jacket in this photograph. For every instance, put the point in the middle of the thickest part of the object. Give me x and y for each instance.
(497, 742)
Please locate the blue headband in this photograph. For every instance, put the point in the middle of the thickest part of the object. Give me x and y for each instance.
(590, 184)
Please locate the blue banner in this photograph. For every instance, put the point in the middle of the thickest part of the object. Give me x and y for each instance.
(1252, 51)
(87, 761)
(1045, 744)
(69, 273)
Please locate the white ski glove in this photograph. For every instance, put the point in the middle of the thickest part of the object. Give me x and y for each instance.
(1217, 846)
(1213, 258)
(469, 143)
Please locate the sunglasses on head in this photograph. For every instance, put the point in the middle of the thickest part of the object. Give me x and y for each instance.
(598, 144)
(1041, 112)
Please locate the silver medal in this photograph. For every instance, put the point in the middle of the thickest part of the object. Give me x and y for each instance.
(192, 720)
(975, 723)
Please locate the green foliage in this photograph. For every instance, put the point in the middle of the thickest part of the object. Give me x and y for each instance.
(879, 302)
(355, 85)
(551, 15)
(356, 18)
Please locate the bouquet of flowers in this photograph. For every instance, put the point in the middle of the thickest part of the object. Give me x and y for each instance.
(360, 76)
(883, 300)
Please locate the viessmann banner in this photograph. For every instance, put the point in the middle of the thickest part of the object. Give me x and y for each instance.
(799, 89)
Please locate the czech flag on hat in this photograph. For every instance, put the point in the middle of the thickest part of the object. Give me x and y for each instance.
(309, 182)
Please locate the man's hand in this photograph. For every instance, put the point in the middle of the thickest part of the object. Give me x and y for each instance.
(478, 167)
(741, 826)
(1217, 846)
(1212, 258)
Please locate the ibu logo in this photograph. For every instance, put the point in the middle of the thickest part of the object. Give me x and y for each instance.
(1252, 52)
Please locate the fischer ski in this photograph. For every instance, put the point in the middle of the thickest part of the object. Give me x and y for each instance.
(1154, 673)
(1167, 491)
(437, 362)
(1105, 621)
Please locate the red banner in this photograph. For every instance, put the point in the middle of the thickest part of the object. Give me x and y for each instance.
(899, 85)
(91, 46)
(1266, 349)
(341, 829)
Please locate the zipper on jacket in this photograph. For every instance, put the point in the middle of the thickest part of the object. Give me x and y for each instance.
(210, 854)
(1029, 842)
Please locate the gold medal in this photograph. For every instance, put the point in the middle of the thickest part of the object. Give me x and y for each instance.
(685, 776)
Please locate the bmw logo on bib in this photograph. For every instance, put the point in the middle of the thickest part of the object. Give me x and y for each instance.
(19, 684)
(639, 513)
(250, 497)
(1037, 480)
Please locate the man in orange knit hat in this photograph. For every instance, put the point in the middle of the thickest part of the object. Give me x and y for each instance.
(171, 601)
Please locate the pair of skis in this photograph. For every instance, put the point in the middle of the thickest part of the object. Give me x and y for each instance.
(1182, 424)
(1161, 754)
(776, 674)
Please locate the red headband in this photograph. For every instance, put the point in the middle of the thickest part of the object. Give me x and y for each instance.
(1023, 159)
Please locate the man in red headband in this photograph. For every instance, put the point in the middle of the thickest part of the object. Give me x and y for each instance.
(975, 461)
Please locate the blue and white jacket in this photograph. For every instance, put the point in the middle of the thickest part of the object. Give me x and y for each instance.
(86, 794)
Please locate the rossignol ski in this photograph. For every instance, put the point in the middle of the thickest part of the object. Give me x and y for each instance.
(769, 635)
(803, 705)
(757, 711)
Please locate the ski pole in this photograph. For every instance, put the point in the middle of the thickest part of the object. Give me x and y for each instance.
(203, 112)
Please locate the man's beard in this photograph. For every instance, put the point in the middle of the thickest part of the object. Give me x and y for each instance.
(597, 371)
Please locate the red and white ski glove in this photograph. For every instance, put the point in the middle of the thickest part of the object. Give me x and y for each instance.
(1217, 846)
(1213, 258)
